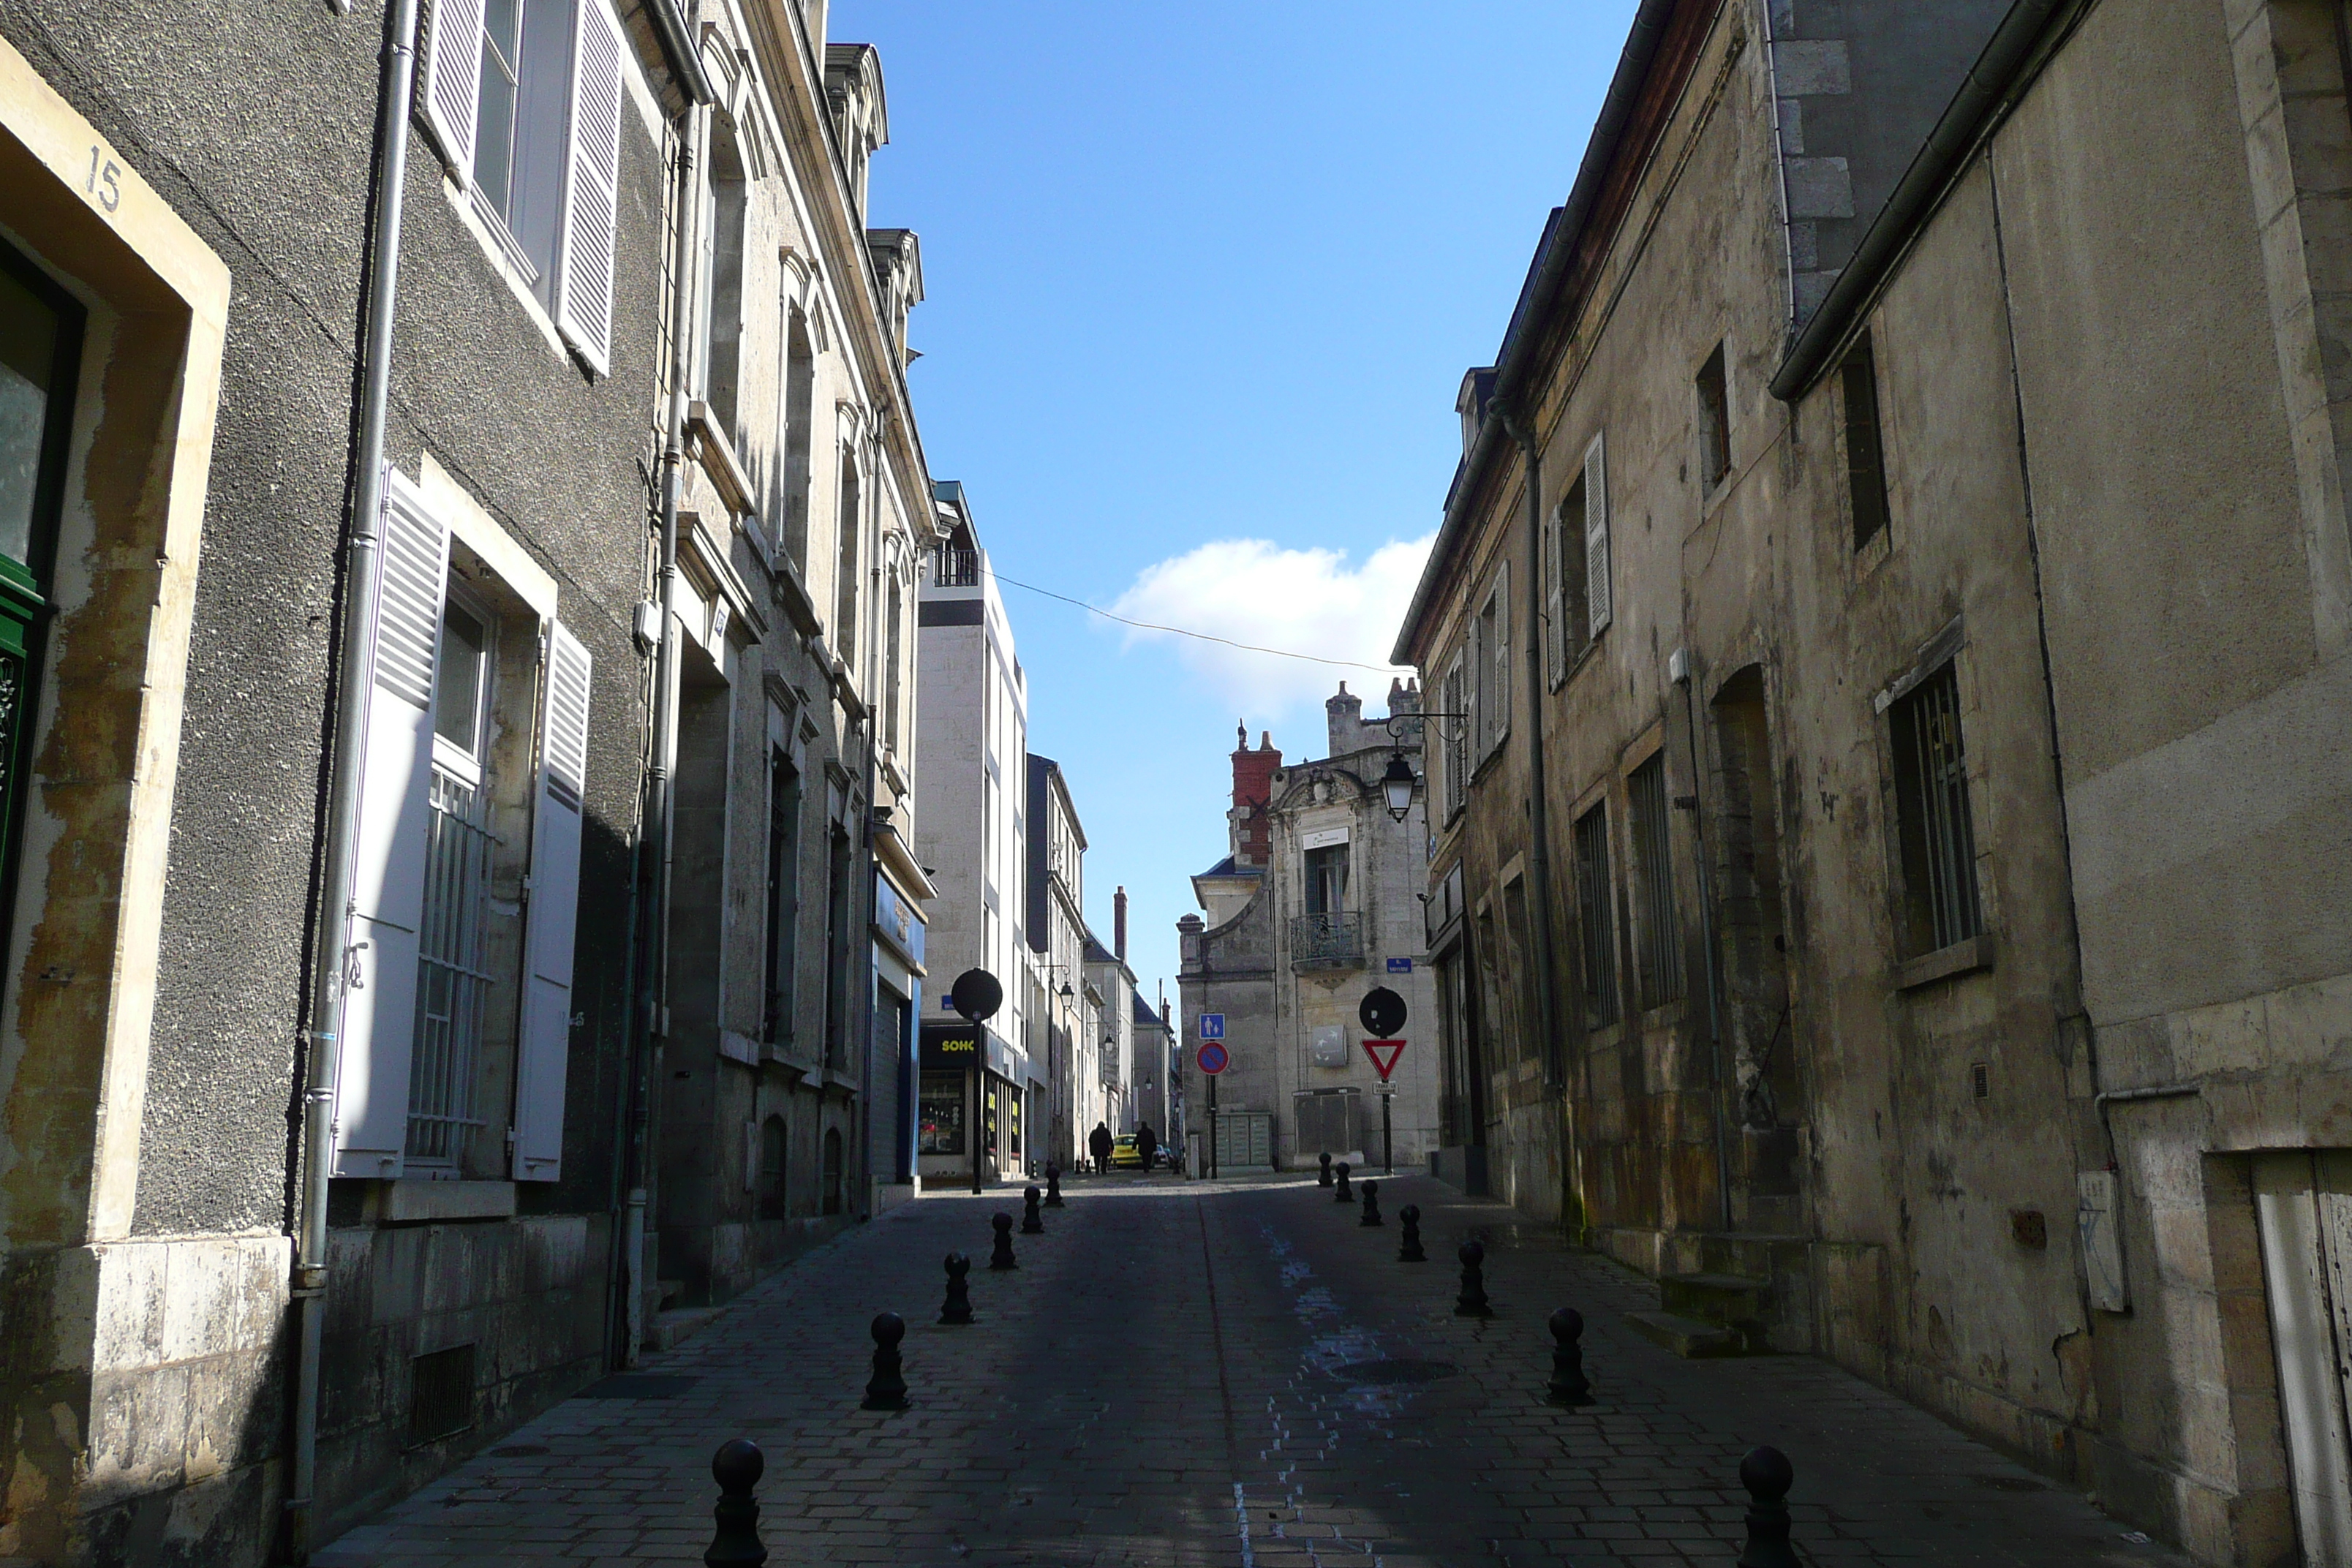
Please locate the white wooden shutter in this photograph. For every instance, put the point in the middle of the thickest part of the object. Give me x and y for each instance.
(1502, 651)
(452, 81)
(592, 171)
(546, 1032)
(378, 1027)
(1555, 632)
(1596, 539)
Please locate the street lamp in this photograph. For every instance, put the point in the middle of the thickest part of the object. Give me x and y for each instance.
(1396, 786)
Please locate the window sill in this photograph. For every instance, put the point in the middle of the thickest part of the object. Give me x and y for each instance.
(412, 1200)
(1582, 658)
(1944, 964)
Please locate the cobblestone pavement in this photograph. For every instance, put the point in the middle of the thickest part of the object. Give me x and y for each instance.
(1207, 1374)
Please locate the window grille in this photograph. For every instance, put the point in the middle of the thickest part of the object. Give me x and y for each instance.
(451, 980)
(1660, 950)
(1595, 909)
(1931, 798)
(440, 1394)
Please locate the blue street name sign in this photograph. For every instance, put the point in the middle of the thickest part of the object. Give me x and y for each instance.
(1400, 966)
(1213, 1025)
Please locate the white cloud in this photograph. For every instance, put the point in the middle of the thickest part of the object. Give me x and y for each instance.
(1301, 601)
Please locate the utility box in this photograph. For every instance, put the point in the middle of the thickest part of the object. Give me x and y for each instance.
(1330, 1045)
(1244, 1141)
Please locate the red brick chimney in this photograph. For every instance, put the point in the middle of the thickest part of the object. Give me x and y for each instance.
(1119, 924)
(1254, 774)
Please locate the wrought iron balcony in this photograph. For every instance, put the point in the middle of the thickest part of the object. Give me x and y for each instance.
(1333, 940)
(956, 568)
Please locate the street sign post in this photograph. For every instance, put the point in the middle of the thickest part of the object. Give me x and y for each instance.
(1211, 1027)
(1383, 1014)
(1385, 1054)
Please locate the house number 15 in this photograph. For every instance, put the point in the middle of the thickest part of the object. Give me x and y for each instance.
(110, 196)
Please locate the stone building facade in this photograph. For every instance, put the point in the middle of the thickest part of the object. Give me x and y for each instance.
(1316, 904)
(1908, 697)
(977, 1095)
(458, 644)
(1066, 1008)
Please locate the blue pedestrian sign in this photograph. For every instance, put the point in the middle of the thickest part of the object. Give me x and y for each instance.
(1400, 966)
(1213, 1025)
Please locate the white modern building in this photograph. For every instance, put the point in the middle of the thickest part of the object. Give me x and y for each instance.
(972, 719)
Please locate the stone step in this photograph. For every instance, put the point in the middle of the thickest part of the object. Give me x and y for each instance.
(1717, 1297)
(1688, 1337)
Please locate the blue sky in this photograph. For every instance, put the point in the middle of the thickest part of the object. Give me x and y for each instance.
(1201, 282)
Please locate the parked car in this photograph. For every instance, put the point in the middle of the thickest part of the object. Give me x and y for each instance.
(1125, 1153)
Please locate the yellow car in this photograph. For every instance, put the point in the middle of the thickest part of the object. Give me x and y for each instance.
(1125, 1154)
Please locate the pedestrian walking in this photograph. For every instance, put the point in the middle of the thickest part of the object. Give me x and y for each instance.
(1098, 1140)
(1147, 1143)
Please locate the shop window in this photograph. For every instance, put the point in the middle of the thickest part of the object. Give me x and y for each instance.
(939, 1114)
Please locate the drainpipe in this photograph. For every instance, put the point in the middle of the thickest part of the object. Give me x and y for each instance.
(362, 567)
(1538, 810)
(653, 1025)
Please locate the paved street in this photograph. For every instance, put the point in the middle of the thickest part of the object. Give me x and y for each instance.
(1228, 1374)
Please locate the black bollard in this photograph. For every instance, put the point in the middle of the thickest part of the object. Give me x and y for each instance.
(1568, 1384)
(1323, 1178)
(1472, 1302)
(736, 1542)
(1031, 1222)
(1344, 1196)
(1371, 1205)
(887, 1390)
(1410, 1217)
(1003, 1257)
(959, 1306)
(1768, 1475)
(1053, 1186)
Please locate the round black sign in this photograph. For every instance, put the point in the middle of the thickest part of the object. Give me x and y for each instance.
(1382, 1011)
(977, 994)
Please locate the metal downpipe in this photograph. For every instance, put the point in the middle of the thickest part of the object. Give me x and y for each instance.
(662, 770)
(363, 567)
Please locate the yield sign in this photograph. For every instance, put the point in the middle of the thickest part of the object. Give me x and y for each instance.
(1384, 1055)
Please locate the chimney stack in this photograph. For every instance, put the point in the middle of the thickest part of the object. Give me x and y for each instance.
(1119, 924)
(1254, 774)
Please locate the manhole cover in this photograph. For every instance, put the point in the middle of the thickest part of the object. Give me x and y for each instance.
(1380, 1372)
(638, 1385)
(2010, 1483)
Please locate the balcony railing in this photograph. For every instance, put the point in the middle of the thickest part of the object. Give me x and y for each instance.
(956, 568)
(1327, 942)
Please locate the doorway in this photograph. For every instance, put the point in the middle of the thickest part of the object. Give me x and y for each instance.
(1759, 1019)
(2302, 1204)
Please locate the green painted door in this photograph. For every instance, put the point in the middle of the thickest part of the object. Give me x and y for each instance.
(40, 356)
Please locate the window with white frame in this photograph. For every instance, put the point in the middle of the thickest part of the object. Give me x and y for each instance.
(1576, 577)
(523, 97)
(456, 1002)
